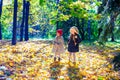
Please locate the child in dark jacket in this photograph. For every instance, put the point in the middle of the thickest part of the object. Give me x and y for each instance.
(58, 45)
(73, 42)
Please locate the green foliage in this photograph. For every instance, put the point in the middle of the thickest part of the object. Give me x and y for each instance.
(40, 14)
(67, 13)
(109, 10)
(117, 28)
(80, 9)
(70, 13)
(42, 2)
(63, 17)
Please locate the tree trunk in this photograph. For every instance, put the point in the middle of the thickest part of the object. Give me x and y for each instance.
(26, 21)
(89, 30)
(57, 23)
(112, 37)
(14, 23)
(112, 23)
(23, 22)
(109, 28)
(1, 3)
(82, 30)
(57, 1)
(101, 7)
(99, 31)
(77, 23)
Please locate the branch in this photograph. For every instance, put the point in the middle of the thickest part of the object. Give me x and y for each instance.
(106, 7)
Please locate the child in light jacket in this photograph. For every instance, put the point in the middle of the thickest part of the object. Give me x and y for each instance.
(58, 45)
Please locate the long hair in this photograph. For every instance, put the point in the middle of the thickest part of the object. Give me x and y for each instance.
(75, 29)
(76, 32)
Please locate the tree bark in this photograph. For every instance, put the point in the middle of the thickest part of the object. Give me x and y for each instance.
(99, 31)
(103, 24)
(82, 32)
(1, 3)
(14, 22)
(101, 7)
(23, 22)
(109, 28)
(26, 21)
(77, 23)
(57, 23)
(112, 23)
(89, 30)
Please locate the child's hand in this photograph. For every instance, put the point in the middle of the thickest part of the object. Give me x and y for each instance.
(75, 36)
(75, 43)
(57, 43)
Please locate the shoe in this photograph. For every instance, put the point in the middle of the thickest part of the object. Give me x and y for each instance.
(59, 59)
(54, 58)
(74, 63)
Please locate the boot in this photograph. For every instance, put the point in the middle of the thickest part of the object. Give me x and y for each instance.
(54, 58)
(59, 59)
(74, 63)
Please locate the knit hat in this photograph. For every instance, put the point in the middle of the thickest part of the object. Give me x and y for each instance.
(60, 31)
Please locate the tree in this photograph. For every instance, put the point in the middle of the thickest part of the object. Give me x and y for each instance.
(23, 22)
(57, 2)
(14, 22)
(26, 21)
(82, 29)
(112, 10)
(89, 30)
(77, 13)
(1, 3)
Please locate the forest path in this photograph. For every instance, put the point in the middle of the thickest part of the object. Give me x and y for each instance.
(33, 60)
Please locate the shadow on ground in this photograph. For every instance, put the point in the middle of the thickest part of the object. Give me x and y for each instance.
(55, 70)
(74, 72)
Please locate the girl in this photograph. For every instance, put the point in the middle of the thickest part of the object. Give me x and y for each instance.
(58, 45)
(73, 42)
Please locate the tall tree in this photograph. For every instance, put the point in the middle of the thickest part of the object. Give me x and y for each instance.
(112, 10)
(1, 3)
(78, 12)
(112, 23)
(23, 22)
(82, 31)
(14, 22)
(26, 21)
(57, 23)
(89, 30)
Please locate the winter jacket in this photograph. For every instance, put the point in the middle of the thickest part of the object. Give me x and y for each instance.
(58, 45)
(73, 43)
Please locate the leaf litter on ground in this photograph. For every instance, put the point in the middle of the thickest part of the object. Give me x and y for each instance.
(33, 60)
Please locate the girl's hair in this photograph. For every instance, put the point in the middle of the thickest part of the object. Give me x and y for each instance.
(76, 32)
(75, 28)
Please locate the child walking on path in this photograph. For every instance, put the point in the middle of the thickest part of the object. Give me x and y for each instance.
(73, 43)
(58, 45)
